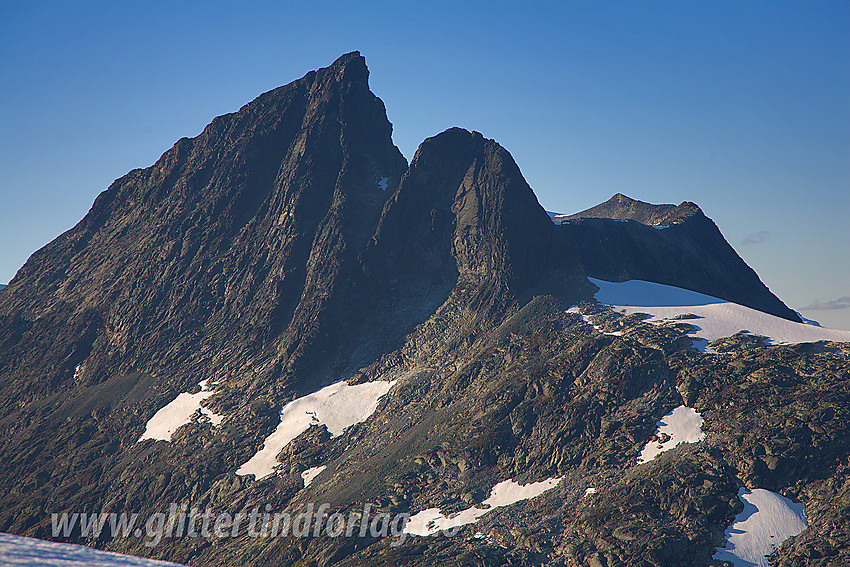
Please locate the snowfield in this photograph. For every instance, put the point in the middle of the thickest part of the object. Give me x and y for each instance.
(766, 521)
(717, 318)
(682, 425)
(18, 550)
(430, 521)
(338, 406)
(179, 412)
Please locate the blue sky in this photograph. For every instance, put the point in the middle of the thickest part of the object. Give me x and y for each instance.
(741, 107)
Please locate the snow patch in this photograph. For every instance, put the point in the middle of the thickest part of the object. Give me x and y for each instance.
(682, 425)
(311, 473)
(382, 183)
(716, 318)
(808, 321)
(590, 491)
(19, 550)
(179, 412)
(338, 406)
(766, 521)
(430, 521)
(557, 218)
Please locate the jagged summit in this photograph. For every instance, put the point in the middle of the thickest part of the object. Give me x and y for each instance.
(241, 231)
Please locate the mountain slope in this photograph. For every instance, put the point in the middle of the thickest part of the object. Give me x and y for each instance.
(222, 259)
(624, 239)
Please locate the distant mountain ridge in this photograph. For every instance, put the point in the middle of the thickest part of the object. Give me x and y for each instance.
(621, 207)
(626, 239)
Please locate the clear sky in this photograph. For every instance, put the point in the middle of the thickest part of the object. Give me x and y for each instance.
(741, 107)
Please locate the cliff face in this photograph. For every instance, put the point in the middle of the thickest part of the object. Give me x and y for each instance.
(624, 239)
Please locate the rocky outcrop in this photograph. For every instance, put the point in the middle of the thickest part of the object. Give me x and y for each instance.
(624, 239)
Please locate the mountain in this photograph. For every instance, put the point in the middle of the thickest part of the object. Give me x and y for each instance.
(281, 313)
(625, 239)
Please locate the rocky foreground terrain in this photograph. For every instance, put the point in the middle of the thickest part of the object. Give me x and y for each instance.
(290, 246)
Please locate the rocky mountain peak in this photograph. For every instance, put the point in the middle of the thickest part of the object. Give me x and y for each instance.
(351, 68)
(287, 260)
(242, 231)
(463, 203)
(623, 239)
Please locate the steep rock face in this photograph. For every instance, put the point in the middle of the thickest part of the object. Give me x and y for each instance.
(625, 239)
(243, 232)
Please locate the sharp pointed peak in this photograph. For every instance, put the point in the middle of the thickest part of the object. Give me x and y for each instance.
(350, 67)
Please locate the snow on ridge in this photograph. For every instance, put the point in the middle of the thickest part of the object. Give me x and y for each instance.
(338, 406)
(20, 550)
(179, 412)
(682, 425)
(557, 218)
(311, 473)
(430, 521)
(767, 520)
(808, 321)
(716, 318)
